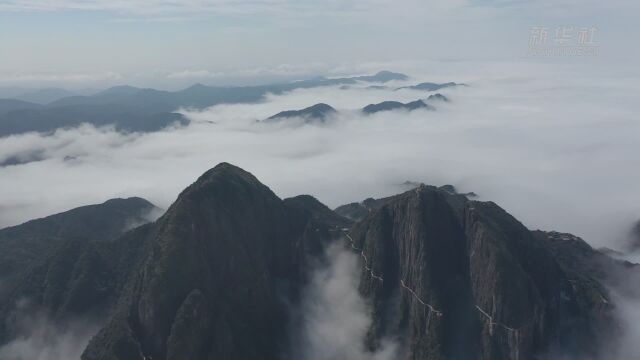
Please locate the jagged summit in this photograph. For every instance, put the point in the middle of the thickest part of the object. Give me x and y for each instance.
(470, 276)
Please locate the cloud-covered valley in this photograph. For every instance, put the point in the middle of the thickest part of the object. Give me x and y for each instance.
(557, 156)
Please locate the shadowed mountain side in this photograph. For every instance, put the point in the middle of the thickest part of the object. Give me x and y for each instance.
(217, 276)
(56, 262)
(452, 274)
(226, 255)
(22, 244)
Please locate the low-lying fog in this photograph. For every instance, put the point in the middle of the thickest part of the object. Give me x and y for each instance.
(556, 146)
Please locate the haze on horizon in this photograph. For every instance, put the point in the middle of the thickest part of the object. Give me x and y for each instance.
(93, 44)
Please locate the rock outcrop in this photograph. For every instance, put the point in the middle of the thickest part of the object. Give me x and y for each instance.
(464, 280)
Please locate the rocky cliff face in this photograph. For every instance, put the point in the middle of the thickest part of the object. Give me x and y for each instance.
(222, 264)
(217, 275)
(464, 279)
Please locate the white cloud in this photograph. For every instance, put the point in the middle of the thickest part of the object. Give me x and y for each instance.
(555, 154)
(41, 338)
(556, 146)
(283, 71)
(334, 317)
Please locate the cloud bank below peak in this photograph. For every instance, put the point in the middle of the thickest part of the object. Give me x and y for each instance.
(556, 157)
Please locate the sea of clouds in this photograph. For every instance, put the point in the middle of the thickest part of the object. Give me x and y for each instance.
(554, 145)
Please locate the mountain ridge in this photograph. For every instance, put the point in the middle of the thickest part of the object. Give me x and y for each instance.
(217, 274)
(132, 109)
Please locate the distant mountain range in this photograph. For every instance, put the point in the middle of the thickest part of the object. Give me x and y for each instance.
(41, 96)
(130, 109)
(319, 113)
(217, 275)
(45, 96)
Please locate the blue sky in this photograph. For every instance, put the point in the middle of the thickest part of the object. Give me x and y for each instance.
(91, 43)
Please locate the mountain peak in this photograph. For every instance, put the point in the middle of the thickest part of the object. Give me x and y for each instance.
(317, 112)
(224, 183)
(226, 170)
